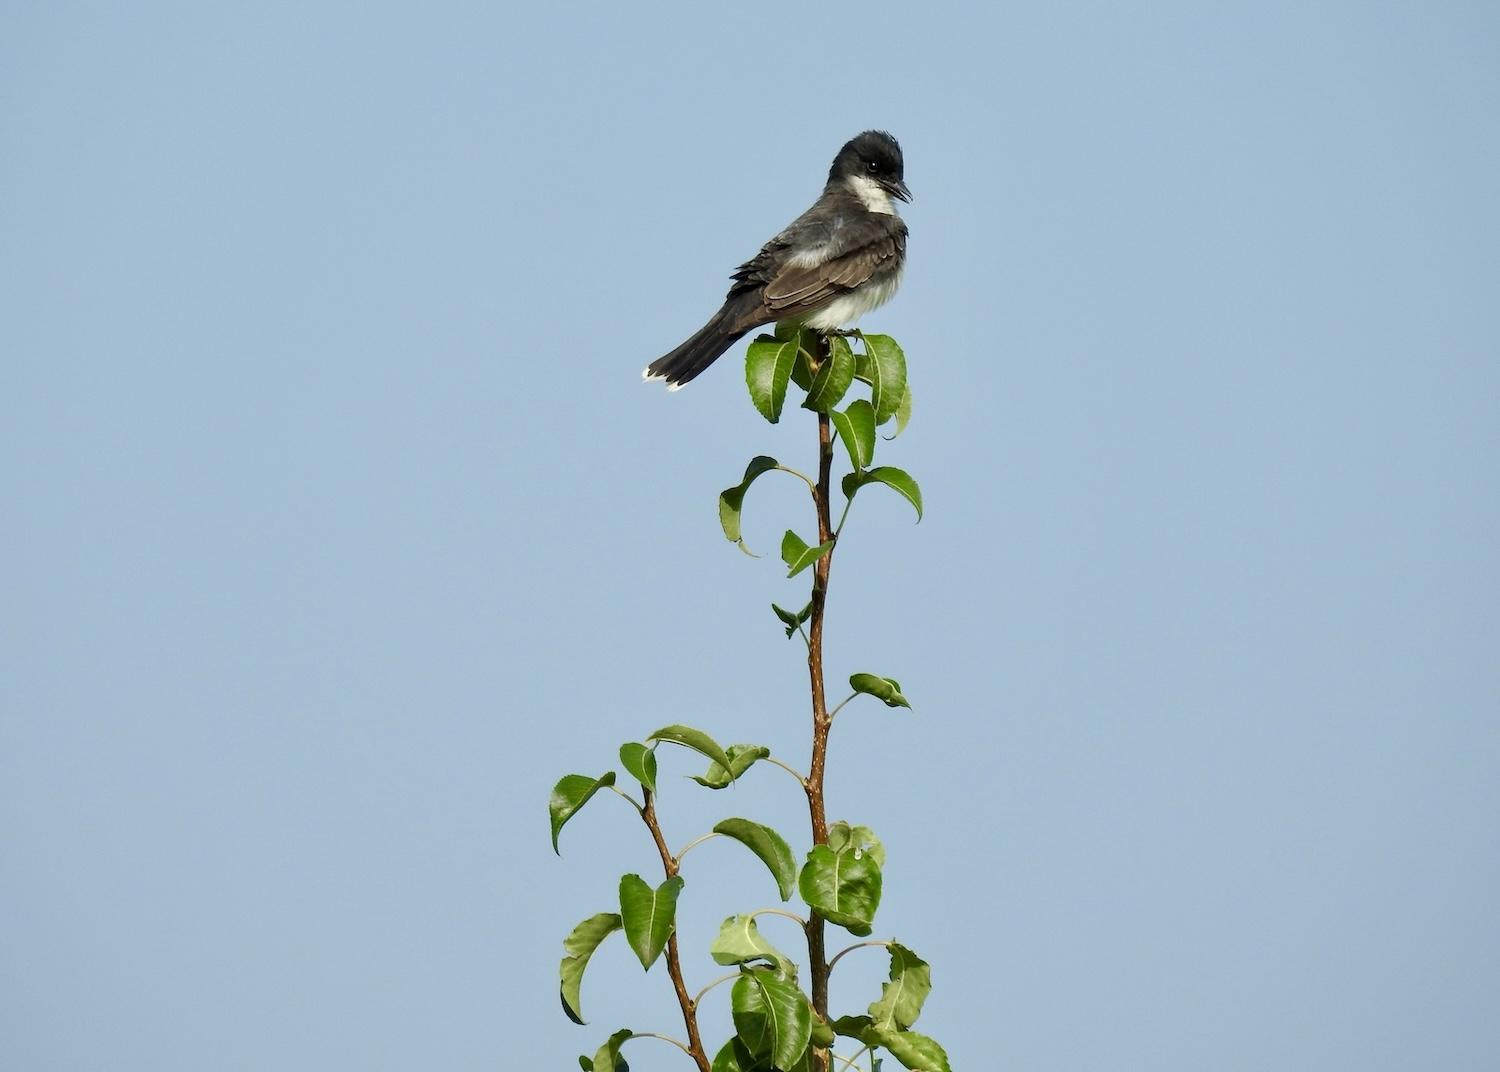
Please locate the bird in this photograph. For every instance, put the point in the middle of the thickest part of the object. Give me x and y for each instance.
(840, 259)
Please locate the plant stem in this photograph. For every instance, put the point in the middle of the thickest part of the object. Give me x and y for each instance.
(670, 864)
(817, 963)
(858, 945)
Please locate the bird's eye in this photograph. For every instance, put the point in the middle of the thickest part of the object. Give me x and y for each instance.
(874, 166)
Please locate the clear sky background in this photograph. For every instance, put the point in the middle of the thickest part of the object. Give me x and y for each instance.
(336, 524)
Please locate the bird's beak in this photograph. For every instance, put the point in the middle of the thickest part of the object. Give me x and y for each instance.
(899, 189)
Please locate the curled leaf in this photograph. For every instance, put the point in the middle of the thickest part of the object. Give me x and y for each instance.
(640, 763)
(695, 739)
(741, 758)
(570, 794)
(580, 945)
(732, 500)
(769, 846)
(885, 689)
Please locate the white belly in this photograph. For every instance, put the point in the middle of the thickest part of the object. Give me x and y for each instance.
(844, 310)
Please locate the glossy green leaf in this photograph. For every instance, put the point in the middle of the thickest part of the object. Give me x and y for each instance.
(769, 846)
(856, 427)
(790, 620)
(917, 1052)
(728, 1058)
(772, 1017)
(832, 380)
(648, 915)
(740, 942)
(640, 762)
(697, 740)
(608, 1056)
(883, 367)
(903, 413)
(861, 840)
(901, 999)
(741, 758)
(798, 555)
(570, 794)
(822, 1033)
(852, 1026)
(580, 946)
(891, 477)
(732, 500)
(768, 367)
(844, 888)
(885, 689)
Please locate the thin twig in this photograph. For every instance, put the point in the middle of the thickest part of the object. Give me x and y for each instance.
(665, 1038)
(621, 793)
(843, 517)
(779, 912)
(696, 842)
(849, 1061)
(698, 998)
(852, 948)
(840, 707)
(800, 476)
(790, 770)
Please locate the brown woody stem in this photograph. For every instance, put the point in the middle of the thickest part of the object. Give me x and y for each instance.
(817, 960)
(674, 962)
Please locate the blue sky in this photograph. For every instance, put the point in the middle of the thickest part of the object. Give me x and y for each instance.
(338, 525)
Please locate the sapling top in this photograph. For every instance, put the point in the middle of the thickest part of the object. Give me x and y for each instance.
(778, 1000)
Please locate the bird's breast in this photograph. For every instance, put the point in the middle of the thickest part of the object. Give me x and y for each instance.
(847, 308)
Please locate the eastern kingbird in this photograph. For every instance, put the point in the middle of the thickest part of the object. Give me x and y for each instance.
(838, 260)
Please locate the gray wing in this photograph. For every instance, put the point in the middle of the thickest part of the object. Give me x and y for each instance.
(845, 249)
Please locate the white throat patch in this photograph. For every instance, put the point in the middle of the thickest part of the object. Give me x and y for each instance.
(871, 194)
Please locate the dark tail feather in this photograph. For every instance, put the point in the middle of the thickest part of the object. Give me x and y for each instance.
(697, 353)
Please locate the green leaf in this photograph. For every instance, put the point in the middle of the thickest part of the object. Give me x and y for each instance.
(732, 500)
(741, 758)
(697, 740)
(856, 427)
(883, 367)
(772, 1017)
(903, 413)
(648, 915)
(608, 1056)
(822, 1034)
(885, 689)
(860, 840)
(852, 1026)
(901, 999)
(580, 946)
(570, 794)
(640, 762)
(833, 377)
(843, 888)
(740, 942)
(891, 477)
(728, 1058)
(769, 846)
(790, 620)
(768, 367)
(797, 555)
(917, 1052)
